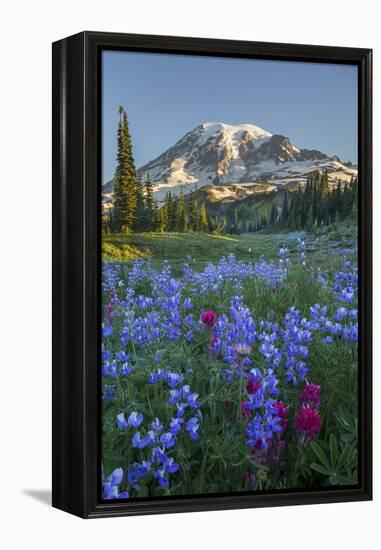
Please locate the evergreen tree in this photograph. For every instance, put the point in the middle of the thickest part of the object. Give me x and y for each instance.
(181, 221)
(125, 181)
(171, 212)
(163, 218)
(119, 195)
(149, 203)
(193, 210)
(273, 216)
(140, 223)
(324, 184)
(203, 218)
(156, 216)
(284, 215)
(131, 182)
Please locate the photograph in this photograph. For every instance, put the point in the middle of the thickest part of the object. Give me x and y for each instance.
(229, 236)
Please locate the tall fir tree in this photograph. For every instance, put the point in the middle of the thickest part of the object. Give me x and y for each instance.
(171, 212)
(193, 210)
(156, 216)
(181, 221)
(149, 203)
(324, 184)
(283, 220)
(203, 224)
(130, 176)
(140, 222)
(163, 219)
(125, 181)
(119, 192)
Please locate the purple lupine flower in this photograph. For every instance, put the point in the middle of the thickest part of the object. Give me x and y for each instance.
(135, 419)
(192, 428)
(121, 421)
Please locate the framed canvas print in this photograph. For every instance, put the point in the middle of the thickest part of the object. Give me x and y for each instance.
(212, 274)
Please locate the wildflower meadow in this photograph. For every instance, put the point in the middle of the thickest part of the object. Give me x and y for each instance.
(235, 374)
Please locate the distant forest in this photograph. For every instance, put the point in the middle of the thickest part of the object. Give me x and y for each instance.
(135, 208)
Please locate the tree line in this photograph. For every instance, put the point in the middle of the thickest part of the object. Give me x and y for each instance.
(135, 208)
(312, 205)
(315, 204)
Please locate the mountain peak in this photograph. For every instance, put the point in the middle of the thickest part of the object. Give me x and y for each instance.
(234, 129)
(217, 153)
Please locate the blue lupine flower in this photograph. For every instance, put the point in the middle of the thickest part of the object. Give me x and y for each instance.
(122, 356)
(175, 425)
(109, 369)
(109, 393)
(181, 408)
(121, 421)
(283, 251)
(135, 419)
(106, 331)
(170, 466)
(161, 477)
(168, 440)
(157, 427)
(340, 314)
(110, 488)
(139, 442)
(192, 428)
(110, 491)
(136, 471)
(158, 456)
(192, 400)
(174, 396)
(125, 369)
(173, 379)
(116, 477)
(153, 377)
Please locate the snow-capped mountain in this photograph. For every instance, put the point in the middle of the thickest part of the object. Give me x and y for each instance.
(223, 154)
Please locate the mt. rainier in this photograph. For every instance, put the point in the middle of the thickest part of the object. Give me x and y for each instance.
(220, 154)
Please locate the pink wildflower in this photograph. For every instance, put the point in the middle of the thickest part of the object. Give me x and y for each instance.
(308, 423)
(208, 318)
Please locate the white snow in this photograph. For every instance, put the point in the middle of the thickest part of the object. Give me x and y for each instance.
(195, 165)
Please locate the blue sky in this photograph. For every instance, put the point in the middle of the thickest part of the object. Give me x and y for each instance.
(165, 96)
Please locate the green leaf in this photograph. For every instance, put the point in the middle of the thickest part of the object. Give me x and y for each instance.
(112, 455)
(319, 468)
(344, 458)
(321, 455)
(333, 449)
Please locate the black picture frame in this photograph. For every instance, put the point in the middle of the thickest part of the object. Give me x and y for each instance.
(76, 271)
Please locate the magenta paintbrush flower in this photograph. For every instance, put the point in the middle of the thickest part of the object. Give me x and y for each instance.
(311, 395)
(308, 423)
(208, 318)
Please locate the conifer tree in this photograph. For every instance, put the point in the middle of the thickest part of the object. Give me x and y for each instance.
(284, 215)
(140, 222)
(171, 212)
(203, 218)
(125, 181)
(193, 210)
(181, 221)
(149, 203)
(162, 219)
(324, 184)
(273, 216)
(119, 195)
(156, 216)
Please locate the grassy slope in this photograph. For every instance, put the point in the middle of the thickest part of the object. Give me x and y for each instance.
(325, 247)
